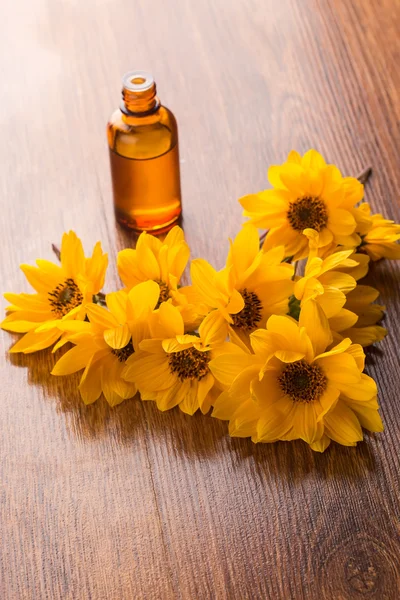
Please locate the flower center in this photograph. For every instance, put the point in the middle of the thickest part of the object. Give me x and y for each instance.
(164, 293)
(250, 315)
(302, 382)
(189, 364)
(65, 297)
(306, 213)
(124, 353)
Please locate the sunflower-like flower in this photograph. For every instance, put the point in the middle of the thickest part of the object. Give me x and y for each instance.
(172, 368)
(381, 239)
(103, 345)
(163, 262)
(307, 194)
(293, 387)
(62, 292)
(254, 285)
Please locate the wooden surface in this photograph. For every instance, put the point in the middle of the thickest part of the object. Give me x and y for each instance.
(130, 503)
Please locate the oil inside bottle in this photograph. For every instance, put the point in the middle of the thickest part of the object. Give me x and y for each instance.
(146, 191)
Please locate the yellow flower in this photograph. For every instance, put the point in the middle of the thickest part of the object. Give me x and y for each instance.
(172, 367)
(380, 241)
(331, 282)
(62, 292)
(323, 279)
(103, 344)
(364, 331)
(293, 387)
(307, 194)
(163, 262)
(253, 286)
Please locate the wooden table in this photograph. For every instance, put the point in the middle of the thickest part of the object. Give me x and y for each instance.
(131, 503)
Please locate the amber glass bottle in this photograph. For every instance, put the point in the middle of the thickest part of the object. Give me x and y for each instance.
(143, 141)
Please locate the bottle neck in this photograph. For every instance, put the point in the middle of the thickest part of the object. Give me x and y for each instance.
(139, 94)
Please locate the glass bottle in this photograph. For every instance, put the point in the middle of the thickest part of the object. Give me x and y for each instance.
(143, 141)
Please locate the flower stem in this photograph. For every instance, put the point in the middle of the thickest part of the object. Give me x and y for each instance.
(56, 251)
(364, 175)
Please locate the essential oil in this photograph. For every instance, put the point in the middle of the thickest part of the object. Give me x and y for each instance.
(144, 157)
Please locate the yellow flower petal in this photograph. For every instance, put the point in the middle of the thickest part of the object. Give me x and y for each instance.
(127, 265)
(343, 320)
(341, 222)
(363, 390)
(313, 160)
(213, 329)
(340, 368)
(244, 420)
(342, 425)
(72, 255)
(166, 322)
(109, 376)
(32, 341)
(96, 267)
(169, 398)
(369, 418)
(74, 360)
(116, 304)
(203, 277)
(244, 249)
(142, 299)
(316, 324)
(227, 366)
(321, 445)
(225, 406)
(236, 303)
(275, 423)
(292, 176)
(39, 280)
(338, 349)
(90, 384)
(305, 425)
(117, 337)
(150, 372)
(175, 345)
(147, 261)
(100, 317)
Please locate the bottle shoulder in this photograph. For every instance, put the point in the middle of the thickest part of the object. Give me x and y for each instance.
(142, 136)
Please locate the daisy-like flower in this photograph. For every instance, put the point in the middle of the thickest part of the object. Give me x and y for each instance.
(381, 239)
(62, 292)
(163, 262)
(172, 368)
(307, 194)
(103, 345)
(253, 286)
(293, 387)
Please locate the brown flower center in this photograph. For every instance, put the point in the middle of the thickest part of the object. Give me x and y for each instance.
(123, 353)
(250, 315)
(307, 213)
(65, 297)
(164, 293)
(189, 364)
(303, 382)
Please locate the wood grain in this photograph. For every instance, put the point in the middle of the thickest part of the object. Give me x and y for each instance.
(131, 503)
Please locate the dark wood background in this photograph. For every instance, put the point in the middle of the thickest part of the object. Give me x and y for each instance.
(131, 503)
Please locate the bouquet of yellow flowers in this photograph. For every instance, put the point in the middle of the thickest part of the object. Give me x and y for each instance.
(273, 342)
